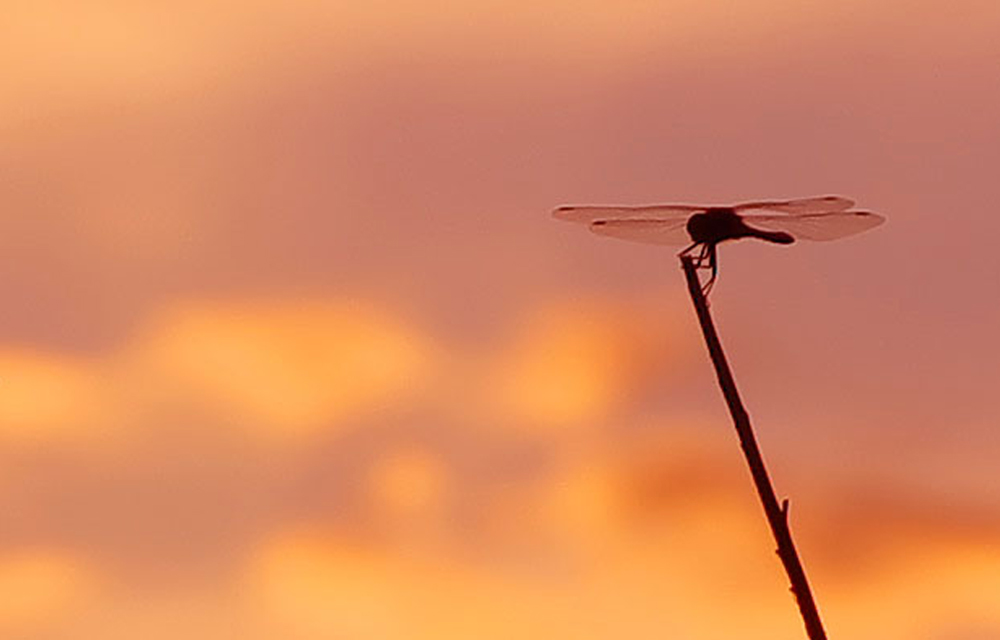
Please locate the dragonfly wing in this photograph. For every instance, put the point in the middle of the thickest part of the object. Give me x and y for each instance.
(817, 226)
(670, 232)
(590, 213)
(820, 204)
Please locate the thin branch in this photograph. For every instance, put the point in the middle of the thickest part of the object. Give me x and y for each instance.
(777, 515)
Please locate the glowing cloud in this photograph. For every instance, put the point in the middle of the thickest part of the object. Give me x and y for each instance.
(293, 367)
(46, 396)
(574, 363)
(39, 588)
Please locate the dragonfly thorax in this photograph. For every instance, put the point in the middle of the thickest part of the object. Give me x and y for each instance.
(715, 225)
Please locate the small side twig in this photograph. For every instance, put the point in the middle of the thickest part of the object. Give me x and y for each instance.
(777, 515)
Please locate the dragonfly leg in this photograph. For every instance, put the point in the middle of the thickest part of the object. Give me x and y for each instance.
(688, 248)
(713, 264)
(702, 256)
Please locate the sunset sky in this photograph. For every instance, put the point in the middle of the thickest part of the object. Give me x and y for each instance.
(291, 346)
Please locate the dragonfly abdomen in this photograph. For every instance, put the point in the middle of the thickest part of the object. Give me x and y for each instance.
(779, 237)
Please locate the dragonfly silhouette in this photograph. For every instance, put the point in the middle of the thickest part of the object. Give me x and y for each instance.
(778, 221)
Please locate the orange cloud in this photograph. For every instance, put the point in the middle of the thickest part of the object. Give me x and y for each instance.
(635, 532)
(46, 396)
(571, 364)
(288, 369)
(317, 585)
(569, 562)
(40, 589)
(409, 485)
(291, 368)
(285, 369)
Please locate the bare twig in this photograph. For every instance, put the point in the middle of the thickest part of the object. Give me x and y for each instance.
(777, 515)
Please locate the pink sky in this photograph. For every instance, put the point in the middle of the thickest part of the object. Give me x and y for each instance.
(293, 348)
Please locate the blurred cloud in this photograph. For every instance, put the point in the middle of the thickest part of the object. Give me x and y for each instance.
(620, 529)
(626, 502)
(586, 567)
(45, 396)
(573, 363)
(293, 367)
(281, 369)
(41, 590)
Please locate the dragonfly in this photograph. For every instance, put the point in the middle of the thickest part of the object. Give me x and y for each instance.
(705, 226)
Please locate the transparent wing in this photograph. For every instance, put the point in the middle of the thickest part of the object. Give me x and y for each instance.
(590, 213)
(820, 204)
(817, 226)
(671, 232)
